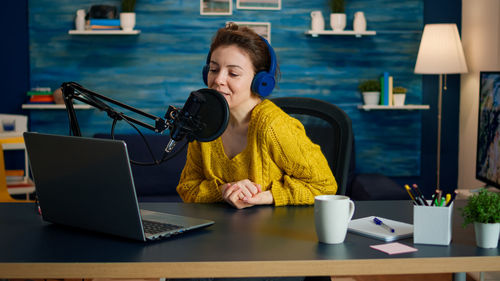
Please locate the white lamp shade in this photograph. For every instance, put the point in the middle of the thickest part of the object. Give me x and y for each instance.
(440, 51)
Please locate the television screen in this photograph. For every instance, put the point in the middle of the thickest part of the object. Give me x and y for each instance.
(488, 130)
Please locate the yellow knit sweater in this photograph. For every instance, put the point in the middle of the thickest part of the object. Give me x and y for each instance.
(279, 156)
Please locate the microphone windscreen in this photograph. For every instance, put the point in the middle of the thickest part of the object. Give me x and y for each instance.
(214, 113)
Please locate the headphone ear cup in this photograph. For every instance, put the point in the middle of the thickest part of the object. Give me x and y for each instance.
(206, 69)
(263, 83)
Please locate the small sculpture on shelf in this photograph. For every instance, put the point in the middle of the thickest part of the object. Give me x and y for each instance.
(317, 21)
(359, 22)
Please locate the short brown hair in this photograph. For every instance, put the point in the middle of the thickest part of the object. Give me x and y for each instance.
(247, 40)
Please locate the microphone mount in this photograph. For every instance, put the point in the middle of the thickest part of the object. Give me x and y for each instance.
(73, 91)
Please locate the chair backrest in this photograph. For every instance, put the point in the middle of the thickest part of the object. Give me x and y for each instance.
(328, 126)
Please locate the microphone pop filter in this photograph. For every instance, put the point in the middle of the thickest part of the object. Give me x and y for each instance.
(213, 113)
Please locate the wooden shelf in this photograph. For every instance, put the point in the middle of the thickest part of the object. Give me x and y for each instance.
(54, 106)
(344, 32)
(394, 107)
(103, 32)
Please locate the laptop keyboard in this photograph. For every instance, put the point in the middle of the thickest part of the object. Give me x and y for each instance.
(158, 227)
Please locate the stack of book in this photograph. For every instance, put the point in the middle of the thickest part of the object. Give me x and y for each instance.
(40, 95)
(104, 24)
(18, 183)
(386, 85)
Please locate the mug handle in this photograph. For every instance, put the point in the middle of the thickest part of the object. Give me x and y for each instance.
(351, 210)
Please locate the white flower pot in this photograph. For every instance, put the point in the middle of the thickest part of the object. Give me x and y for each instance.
(371, 98)
(127, 21)
(337, 21)
(398, 99)
(487, 234)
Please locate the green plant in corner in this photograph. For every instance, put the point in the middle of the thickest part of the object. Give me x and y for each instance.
(399, 90)
(337, 6)
(483, 207)
(128, 6)
(369, 86)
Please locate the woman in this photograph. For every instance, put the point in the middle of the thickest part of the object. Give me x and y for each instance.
(264, 156)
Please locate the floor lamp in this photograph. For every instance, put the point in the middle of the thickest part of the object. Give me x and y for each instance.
(440, 53)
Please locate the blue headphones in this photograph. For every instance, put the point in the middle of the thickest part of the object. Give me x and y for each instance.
(263, 82)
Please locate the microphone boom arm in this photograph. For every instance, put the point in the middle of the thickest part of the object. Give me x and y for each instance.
(72, 90)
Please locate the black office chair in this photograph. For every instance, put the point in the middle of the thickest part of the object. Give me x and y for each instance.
(328, 126)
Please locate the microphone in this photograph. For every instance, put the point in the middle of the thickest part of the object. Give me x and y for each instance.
(204, 117)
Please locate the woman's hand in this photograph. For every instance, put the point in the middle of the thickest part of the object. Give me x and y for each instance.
(261, 198)
(244, 193)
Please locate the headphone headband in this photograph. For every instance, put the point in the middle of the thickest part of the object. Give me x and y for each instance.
(272, 55)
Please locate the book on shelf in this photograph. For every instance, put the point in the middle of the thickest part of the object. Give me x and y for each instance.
(390, 95)
(38, 93)
(41, 99)
(105, 22)
(386, 85)
(104, 27)
(14, 175)
(20, 184)
(41, 89)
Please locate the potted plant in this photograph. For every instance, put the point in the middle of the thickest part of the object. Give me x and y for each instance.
(370, 89)
(483, 210)
(398, 96)
(127, 15)
(337, 17)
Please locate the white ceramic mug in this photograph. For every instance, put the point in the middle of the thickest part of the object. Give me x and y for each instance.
(332, 214)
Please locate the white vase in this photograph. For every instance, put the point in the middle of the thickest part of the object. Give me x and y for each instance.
(127, 21)
(371, 98)
(317, 21)
(337, 21)
(80, 19)
(487, 234)
(359, 23)
(398, 99)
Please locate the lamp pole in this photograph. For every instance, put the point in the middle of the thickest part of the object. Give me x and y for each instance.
(440, 102)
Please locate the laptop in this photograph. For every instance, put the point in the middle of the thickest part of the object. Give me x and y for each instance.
(87, 183)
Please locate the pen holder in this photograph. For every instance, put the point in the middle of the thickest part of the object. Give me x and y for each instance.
(432, 224)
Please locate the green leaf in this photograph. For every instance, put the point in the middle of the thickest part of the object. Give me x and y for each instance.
(483, 207)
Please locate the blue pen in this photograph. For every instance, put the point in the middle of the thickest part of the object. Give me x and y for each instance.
(382, 224)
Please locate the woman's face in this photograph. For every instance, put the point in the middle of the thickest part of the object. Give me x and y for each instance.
(231, 73)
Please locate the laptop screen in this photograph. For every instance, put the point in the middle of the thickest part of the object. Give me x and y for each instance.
(85, 183)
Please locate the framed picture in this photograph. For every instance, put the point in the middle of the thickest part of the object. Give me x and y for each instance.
(259, 4)
(216, 7)
(261, 28)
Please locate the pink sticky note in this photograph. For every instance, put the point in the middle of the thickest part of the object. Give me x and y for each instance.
(394, 248)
